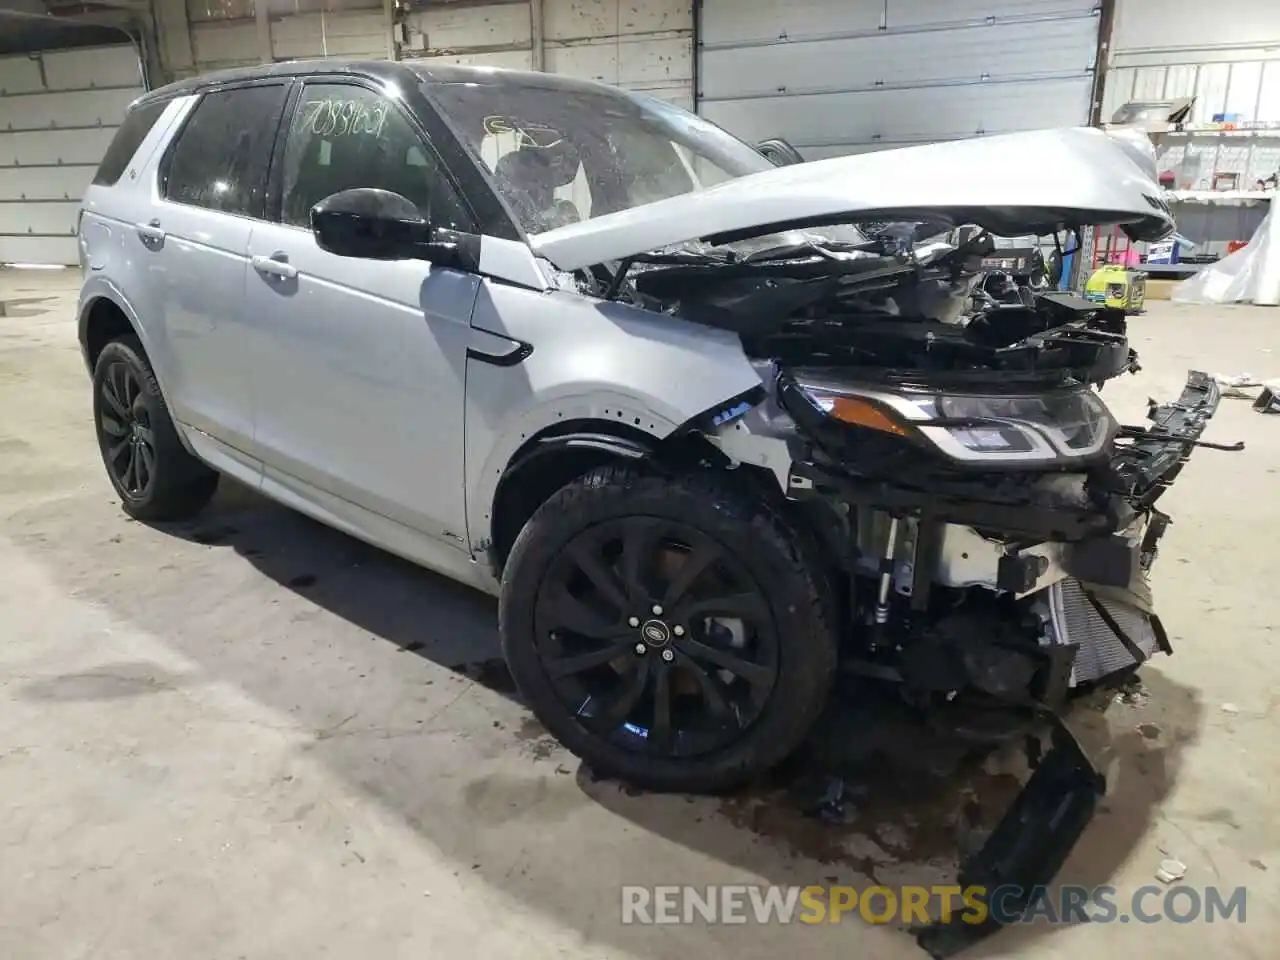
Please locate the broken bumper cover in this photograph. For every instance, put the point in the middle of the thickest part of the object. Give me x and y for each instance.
(1028, 846)
(1145, 468)
(1117, 493)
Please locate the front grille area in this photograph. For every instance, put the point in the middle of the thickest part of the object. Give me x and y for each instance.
(1073, 619)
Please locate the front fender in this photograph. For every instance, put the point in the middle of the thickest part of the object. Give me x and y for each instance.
(591, 360)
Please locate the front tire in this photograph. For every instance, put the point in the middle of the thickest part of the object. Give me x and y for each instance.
(154, 475)
(673, 632)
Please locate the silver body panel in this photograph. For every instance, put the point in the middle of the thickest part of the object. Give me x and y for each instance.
(355, 390)
(1010, 184)
(373, 394)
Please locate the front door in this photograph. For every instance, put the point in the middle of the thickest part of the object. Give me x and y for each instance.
(358, 365)
(194, 240)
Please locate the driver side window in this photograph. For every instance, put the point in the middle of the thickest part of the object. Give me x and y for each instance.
(344, 136)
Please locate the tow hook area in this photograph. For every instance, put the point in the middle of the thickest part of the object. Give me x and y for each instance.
(1027, 847)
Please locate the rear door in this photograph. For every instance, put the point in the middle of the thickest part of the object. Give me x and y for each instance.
(359, 364)
(194, 240)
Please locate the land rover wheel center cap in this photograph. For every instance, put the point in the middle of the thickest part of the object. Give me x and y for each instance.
(656, 633)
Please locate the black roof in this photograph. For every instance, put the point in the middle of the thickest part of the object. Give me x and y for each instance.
(425, 69)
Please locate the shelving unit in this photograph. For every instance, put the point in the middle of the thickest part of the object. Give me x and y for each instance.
(1208, 217)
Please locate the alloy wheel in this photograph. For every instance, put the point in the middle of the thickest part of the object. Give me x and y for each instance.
(656, 637)
(126, 431)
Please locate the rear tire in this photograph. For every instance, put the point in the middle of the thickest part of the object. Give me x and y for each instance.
(152, 472)
(637, 689)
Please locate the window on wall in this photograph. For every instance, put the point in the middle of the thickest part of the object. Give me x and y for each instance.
(220, 159)
(344, 136)
(202, 11)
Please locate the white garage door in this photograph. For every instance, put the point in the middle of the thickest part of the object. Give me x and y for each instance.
(58, 112)
(847, 76)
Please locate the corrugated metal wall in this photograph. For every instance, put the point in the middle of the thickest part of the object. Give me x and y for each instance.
(846, 76)
(1225, 54)
(58, 112)
(638, 44)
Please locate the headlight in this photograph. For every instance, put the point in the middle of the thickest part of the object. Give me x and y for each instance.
(1042, 428)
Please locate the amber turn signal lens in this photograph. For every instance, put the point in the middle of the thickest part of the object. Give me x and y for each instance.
(862, 413)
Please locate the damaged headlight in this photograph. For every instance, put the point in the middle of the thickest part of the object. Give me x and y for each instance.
(1042, 428)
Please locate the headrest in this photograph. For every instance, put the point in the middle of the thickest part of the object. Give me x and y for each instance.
(547, 167)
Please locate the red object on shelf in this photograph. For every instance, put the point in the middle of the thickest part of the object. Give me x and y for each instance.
(1114, 247)
(1235, 245)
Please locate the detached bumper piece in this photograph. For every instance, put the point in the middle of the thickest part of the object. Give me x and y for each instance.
(1268, 401)
(1147, 466)
(1028, 846)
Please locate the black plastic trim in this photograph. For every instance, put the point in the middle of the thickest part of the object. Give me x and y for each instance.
(518, 355)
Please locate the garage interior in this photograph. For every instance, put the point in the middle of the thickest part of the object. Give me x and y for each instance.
(252, 736)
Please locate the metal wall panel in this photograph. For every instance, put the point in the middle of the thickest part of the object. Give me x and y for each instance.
(1226, 54)
(1193, 24)
(53, 250)
(39, 217)
(58, 112)
(20, 75)
(640, 46)
(82, 108)
(218, 45)
(59, 183)
(341, 34)
(1250, 88)
(844, 76)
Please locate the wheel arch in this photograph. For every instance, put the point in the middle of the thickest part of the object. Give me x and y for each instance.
(105, 314)
(563, 452)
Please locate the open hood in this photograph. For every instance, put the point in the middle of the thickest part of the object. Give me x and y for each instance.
(1013, 185)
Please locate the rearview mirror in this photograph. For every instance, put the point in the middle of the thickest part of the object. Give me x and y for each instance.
(370, 223)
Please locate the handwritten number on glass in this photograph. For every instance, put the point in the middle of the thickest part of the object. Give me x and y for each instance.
(343, 118)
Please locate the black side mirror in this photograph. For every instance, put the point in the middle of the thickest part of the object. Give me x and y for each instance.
(370, 223)
(779, 152)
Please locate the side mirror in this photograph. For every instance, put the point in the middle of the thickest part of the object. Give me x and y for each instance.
(779, 152)
(370, 223)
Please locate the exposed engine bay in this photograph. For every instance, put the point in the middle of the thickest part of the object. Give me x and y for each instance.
(929, 408)
(994, 522)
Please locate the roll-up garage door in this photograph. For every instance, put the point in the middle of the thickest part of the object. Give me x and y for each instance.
(847, 76)
(58, 112)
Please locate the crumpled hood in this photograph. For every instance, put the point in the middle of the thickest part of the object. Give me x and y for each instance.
(1013, 185)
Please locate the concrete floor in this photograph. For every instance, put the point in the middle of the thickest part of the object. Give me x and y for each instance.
(252, 737)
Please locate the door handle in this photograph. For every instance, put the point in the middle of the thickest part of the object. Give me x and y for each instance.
(276, 265)
(150, 233)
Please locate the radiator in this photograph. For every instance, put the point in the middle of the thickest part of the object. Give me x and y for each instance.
(1072, 619)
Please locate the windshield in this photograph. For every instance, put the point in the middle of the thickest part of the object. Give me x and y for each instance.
(560, 155)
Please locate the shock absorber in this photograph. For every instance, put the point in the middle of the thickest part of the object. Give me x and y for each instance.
(884, 588)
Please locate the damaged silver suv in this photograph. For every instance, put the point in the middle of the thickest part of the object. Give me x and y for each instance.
(710, 429)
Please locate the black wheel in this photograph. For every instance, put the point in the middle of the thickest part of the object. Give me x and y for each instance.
(673, 632)
(155, 476)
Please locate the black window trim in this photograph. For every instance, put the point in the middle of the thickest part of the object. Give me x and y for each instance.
(275, 174)
(166, 159)
(495, 216)
(134, 110)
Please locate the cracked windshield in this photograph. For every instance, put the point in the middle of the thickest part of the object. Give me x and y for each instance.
(560, 155)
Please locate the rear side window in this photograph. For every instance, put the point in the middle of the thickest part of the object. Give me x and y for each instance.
(220, 158)
(129, 136)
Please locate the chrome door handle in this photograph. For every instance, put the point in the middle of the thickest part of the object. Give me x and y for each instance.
(275, 266)
(151, 233)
